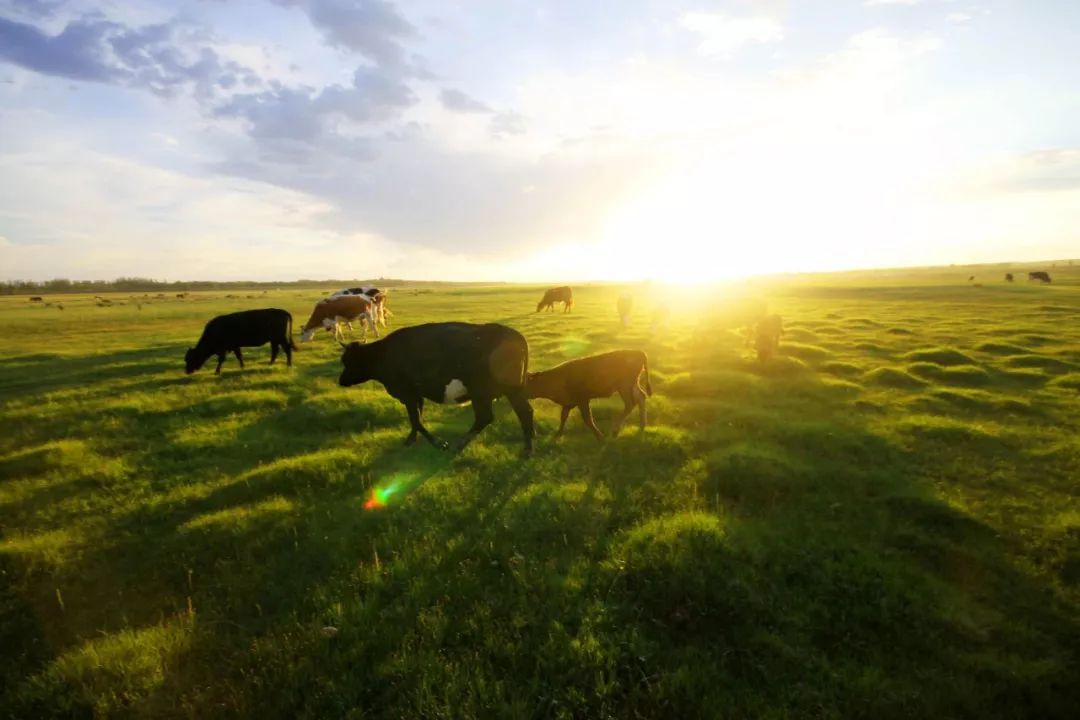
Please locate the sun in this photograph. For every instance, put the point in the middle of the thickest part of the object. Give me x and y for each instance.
(747, 213)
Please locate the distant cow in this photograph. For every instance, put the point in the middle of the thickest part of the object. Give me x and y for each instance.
(661, 315)
(766, 335)
(1008, 277)
(1040, 276)
(37, 298)
(376, 295)
(330, 312)
(553, 295)
(575, 382)
(625, 304)
(249, 328)
(971, 279)
(449, 362)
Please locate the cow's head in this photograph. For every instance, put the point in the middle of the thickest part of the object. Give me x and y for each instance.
(357, 361)
(540, 304)
(192, 361)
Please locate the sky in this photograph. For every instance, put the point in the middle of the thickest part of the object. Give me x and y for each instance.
(534, 141)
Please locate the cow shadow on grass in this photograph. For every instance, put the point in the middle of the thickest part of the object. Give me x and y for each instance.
(747, 556)
(44, 373)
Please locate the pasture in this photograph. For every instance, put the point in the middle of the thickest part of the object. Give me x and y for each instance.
(883, 521)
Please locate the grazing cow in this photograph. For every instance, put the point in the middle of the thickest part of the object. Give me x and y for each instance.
(448, 362)
(249, 328)
(330, 312)
(37, 298)
(377, 296)
(575, 382)
(625, 304)
(971, 279)
(767, 334)
(1040, 276)
(553, 295)
(1008, 277)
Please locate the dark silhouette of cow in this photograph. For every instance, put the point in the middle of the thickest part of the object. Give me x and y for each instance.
(558, 294)
(37, 298)
(1008, 277)
(575, 382)
(1039, 275)
(449, 362)
(249, 328)
(766, 334)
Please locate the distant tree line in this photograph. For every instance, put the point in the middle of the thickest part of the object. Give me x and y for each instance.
(145, 285)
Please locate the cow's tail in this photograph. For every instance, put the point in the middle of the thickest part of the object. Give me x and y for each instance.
(648, 384)
(292, 345)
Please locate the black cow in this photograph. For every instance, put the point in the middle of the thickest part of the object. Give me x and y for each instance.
(448, 362)
(249, 328)
(1039, 275)
(1008, 277)
(563, 294)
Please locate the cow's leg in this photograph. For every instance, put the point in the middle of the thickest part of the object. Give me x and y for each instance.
(288, 352)
(273, 352)
(483, 416)
(586, 416)
(220, 361)
(524, 413)
(562, 419)
(413, 407)
(239, 357)
(373, 321)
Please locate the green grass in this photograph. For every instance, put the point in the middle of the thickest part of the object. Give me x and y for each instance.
(882, 521)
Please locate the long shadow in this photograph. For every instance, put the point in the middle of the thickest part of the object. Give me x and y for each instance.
(50, 373)
(816, 575)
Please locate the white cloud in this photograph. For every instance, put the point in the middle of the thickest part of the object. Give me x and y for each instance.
(722, 35)
(871, 3)
(959, 17)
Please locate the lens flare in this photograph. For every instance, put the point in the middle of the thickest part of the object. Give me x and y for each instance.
(573, 347)
(380, 496)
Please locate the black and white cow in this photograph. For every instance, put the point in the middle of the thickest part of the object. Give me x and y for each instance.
(249, 328)
(449, 362)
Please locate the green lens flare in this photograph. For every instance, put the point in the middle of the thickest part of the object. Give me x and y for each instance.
(574, 347)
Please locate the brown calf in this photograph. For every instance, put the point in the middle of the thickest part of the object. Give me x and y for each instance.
(329, 312)
(574, 383)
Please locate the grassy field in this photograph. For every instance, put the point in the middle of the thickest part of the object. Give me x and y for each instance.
(881, 522)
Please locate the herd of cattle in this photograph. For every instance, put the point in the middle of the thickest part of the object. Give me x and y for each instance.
(457, 362)
(445, 362)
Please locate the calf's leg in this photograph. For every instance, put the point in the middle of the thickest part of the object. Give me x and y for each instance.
(273, 352)
(629, 401)
(640, 396)
(586, 416)
(239, 357)
(288, 352)
(220, 360)
(562, 420)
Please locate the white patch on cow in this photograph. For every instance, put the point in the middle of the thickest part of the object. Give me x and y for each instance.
(455, 390)
(307, 334)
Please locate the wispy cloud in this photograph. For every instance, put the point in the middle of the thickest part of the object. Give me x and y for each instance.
(721, 34)
(458, 101)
